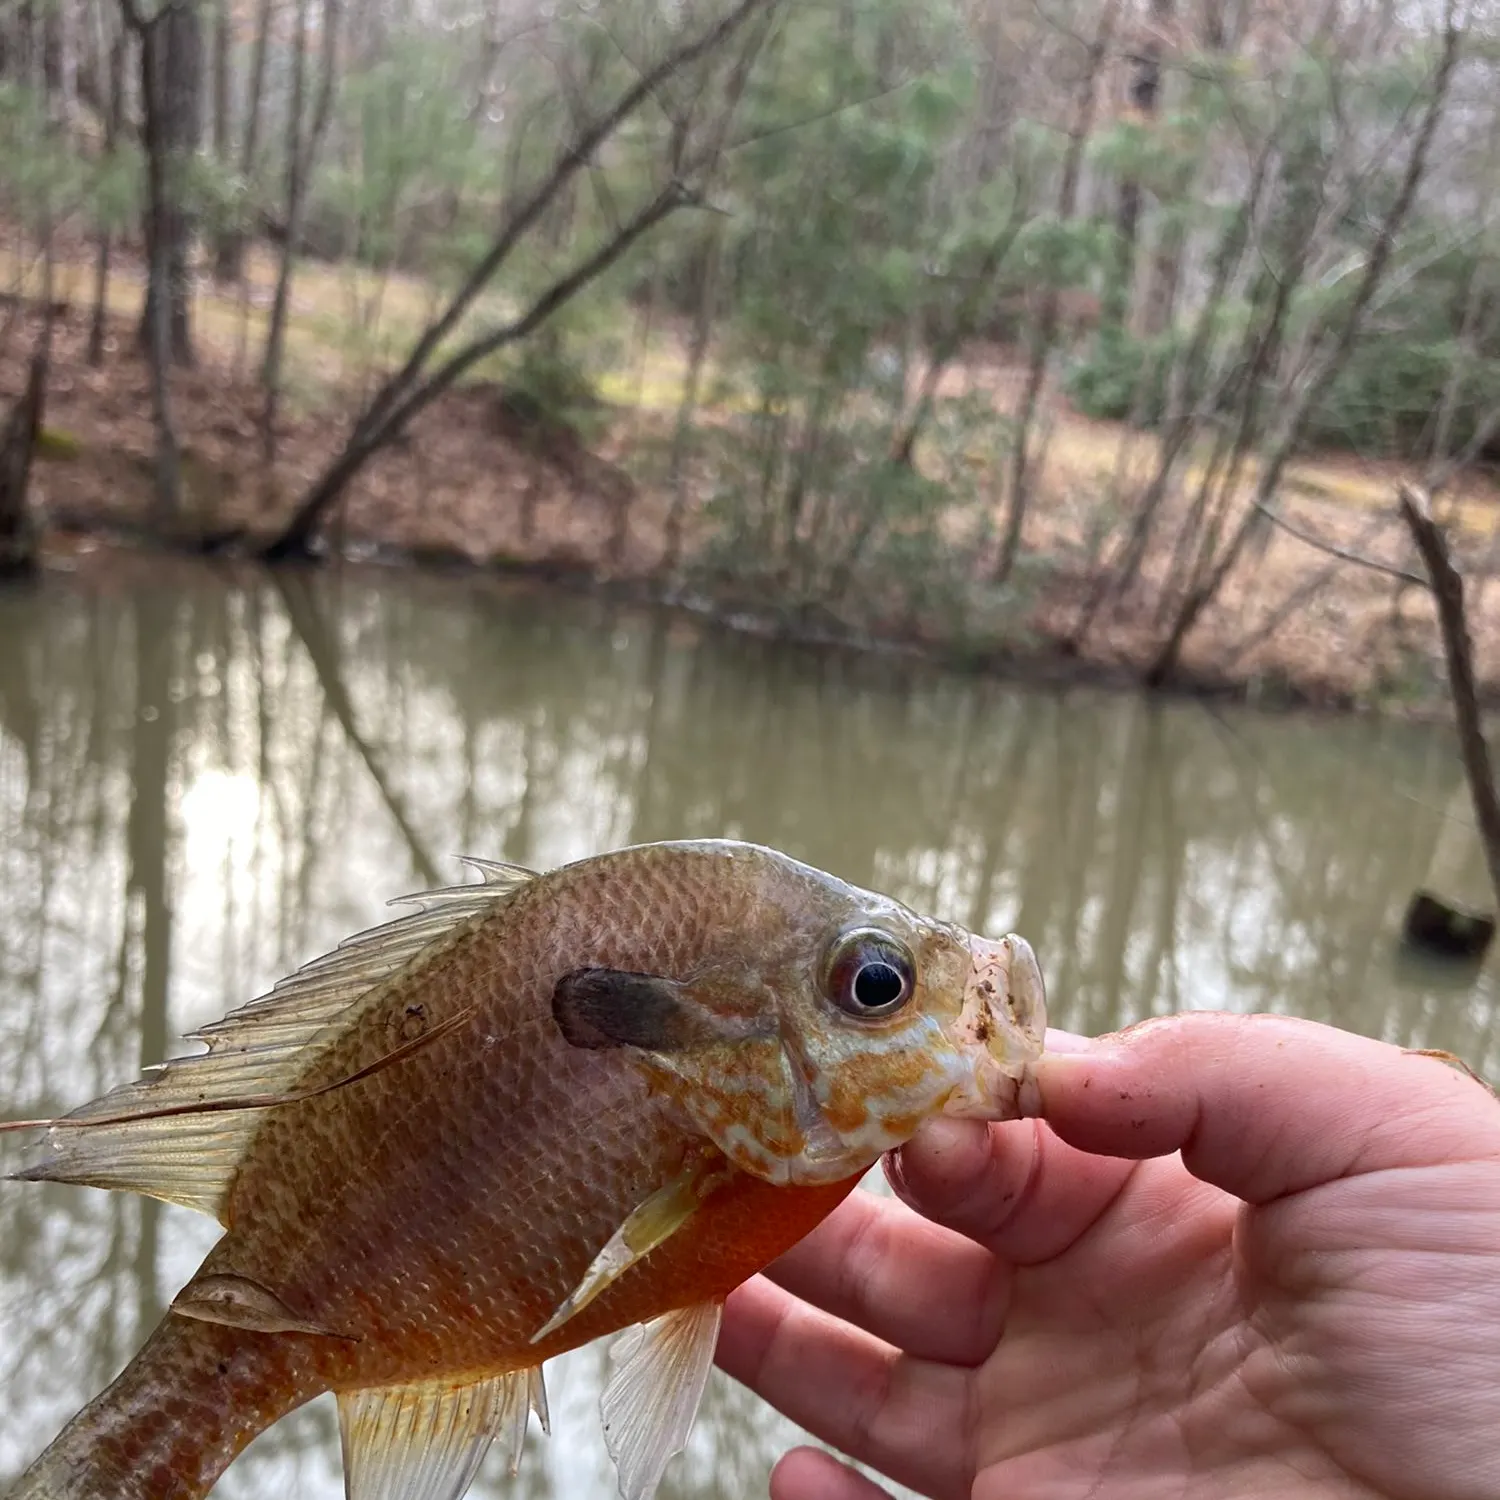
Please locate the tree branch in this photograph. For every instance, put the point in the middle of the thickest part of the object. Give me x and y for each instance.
(1333, 550)
(1458, 652)
(564, 169)
(365, 442)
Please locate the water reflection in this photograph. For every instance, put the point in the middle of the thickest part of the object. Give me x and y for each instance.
(206, 779)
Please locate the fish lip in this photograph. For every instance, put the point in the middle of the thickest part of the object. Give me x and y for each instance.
(1000, 1031)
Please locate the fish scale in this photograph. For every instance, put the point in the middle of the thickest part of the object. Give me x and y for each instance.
(542, 1110)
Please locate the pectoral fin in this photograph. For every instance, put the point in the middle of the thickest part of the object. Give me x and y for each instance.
(654, 1391)
(656, 1220)
(426, 1441)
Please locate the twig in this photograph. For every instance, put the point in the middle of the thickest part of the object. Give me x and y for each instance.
(1334, 550)
(1307, 591)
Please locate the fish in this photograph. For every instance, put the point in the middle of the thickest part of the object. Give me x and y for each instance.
(536, 1111)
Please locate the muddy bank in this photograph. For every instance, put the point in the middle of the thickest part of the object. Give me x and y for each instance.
(479, 483)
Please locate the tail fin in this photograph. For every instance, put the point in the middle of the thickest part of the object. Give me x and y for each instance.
(173, 1419)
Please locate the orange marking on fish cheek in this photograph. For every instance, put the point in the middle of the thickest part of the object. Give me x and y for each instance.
(903, 1127)
(724, 1111)
(869, 1077)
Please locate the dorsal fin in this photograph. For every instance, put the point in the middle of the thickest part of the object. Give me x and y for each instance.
(259, 1049)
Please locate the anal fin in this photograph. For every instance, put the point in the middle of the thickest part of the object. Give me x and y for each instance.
(649, 1225)
(654, 1391)
(536, 1396)
(426, 1441)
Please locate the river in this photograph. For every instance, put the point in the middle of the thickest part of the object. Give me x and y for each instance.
(207, 778)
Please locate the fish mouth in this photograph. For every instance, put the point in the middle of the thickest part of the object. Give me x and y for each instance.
(1000, 1031)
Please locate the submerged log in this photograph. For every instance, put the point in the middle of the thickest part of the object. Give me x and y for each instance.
(1443, 927)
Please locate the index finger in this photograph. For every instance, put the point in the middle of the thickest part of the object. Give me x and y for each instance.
(1264, 1106)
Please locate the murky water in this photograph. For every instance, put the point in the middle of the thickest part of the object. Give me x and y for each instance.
(205, 781)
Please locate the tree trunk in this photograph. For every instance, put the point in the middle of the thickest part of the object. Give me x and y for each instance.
(698, 343)
(17, 445)
(171, 91)
(1044, 332)
(229, 253)
(302, 152)
(222, 84)
(19, 436)
(1144, 102)
(270, 373)
(67, 62)
(156, 325)
(113, 110)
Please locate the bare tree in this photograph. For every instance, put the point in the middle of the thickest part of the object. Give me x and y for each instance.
(114, 106)
(1324, 361)
(303, 141)
(229, 252)
(171, 41)
(161, 231)
(1043, 334)
(411, 388)
(1144, 90)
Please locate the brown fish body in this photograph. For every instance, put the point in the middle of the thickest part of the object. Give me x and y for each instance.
(441, 1210)
(454, 1151)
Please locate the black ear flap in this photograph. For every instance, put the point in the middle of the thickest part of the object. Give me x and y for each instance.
(597, 1008)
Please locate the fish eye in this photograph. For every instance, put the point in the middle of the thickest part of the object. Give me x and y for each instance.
(869, 974)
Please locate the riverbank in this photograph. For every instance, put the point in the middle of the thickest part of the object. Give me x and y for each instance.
(479, 483)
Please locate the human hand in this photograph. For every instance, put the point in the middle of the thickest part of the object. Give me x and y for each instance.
(1242, 1257)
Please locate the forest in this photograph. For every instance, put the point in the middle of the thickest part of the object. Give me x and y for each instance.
(1104, 331)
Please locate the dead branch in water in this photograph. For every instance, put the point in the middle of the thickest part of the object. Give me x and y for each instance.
(1458, 652)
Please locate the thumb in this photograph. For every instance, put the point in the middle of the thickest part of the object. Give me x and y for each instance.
(1263, 1106)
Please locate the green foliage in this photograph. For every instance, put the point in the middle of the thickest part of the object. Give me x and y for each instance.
(549, 381)
(1385, 401)
(808, 509)
(413, 159)
(43, 179)
(118, 185)
(56, 446)
(216, 196)
(1121, 376)
(1387, 398)
(843, 259)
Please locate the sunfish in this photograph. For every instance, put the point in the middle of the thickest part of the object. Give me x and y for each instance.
(538, 1110)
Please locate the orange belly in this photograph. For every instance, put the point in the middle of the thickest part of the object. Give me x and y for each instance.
(738, 1231)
